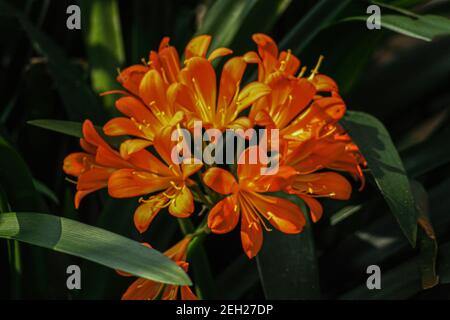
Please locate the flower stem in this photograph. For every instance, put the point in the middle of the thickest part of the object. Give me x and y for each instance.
(197, 255)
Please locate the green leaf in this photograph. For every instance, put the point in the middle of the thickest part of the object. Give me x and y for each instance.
(21, 194)
(226, 282)
(386, 166)
(401, 282)
(88, 242)
(230, 21)
(223, 20)
(103, 38)
(423, 27)
(46, 191)
(260, 20)
(197, 256)
(344, 213)
(73, 129)
(428, 155)
(79, 101)
(14, 257)
(428, 247)
(17, 180)
(287, 263)
(404, 84)
(318, 18)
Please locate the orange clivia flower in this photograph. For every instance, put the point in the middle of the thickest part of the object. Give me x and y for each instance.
(143, 289)
(169, 179)
(96, 164)
(306, 111)
(149, 105)
(198, 95)
(245, 198)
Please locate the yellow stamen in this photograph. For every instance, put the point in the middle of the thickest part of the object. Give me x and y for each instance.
(316, 69)
(174, 185)
(302, 72)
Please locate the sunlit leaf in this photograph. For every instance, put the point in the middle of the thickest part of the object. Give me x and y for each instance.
(386, 166)
(92, 243)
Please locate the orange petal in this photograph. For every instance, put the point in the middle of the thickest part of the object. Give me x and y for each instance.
(190, 168)
(182, 205)
(302, 93)
(122, 126)
(249, 164)
(324, 83)
(110, 158)
(251, 235)
(144, 215)
(143, 289)
(183, 96)
(197, 47)
(134, 108)
(251, 57)
(220, 180)
(164, 145)
(333, 106)
(178, 251)
(219, 52)
(315, 208)
(131, 146)
(232, 73)
(243, 123)
(91, 135)
(153, 90)
(266, 45)
(131, 77)
(250, 93)
(329, 184)
(126, 183)
(77, 163)
(86, 146)
(148, 162)
(187, 294)
(268, 51)
(170, 292)
(96, 178)
(164, 43)
(200, 76)
(275, 182)
(166, 60)
(79, 195)
(282, 214)
(224, 216)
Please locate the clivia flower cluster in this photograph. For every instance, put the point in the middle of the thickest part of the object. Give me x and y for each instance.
(166, 94)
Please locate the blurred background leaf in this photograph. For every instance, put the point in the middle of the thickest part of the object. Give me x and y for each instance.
(103, 38)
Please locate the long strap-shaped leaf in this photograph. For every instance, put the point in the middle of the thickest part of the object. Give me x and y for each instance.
(423, 27)
(287, 263)
(88, 242)
(387, 168)
(74, 129)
